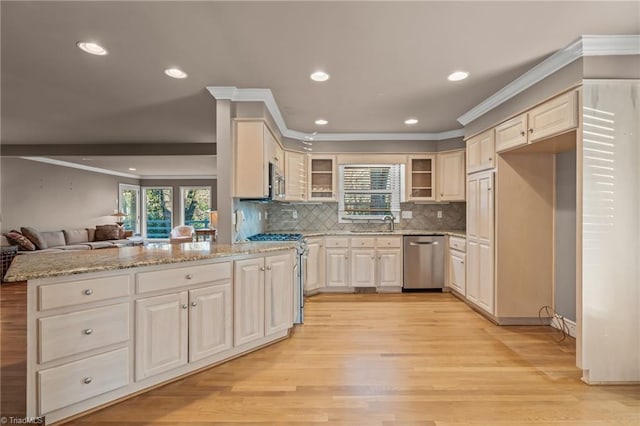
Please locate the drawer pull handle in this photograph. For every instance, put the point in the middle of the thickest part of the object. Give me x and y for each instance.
(87, 380)
(262, 269)
(268, 268)
(194, 304)
(88, 292)
(185, 306)
(88, 331)
(188, 276)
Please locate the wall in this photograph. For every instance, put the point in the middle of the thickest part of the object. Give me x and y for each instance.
(254, 219)
(565, 236)
(324, 217)
(50, 197)
(320, 147)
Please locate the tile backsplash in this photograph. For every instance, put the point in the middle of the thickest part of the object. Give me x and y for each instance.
(254, 219)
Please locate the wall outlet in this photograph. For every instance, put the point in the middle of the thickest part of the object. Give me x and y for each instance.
(294, 214)
(259, 216)
(406, 214)
(266, 215)
(439, 215)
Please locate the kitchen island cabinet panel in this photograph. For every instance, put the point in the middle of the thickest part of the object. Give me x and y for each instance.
(248, 297)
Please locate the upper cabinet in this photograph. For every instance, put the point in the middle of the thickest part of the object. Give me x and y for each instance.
(295, 165)
(322, 178)
(421, 179)
(481, 152)
(451, 180)
(556, 116)
(275, 153)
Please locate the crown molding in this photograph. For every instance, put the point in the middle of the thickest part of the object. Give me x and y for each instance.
(266, 96)
(586, 45)
(81, 167)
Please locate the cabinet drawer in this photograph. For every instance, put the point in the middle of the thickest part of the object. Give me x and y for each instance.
(69, 334)
(457, 243)
(336, 242)
(74, 382)
(84, 291)
(363, 242)
(382, 242)
(178, 277)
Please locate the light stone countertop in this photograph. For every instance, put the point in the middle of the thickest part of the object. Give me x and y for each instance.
(401, 232)
(46, 265)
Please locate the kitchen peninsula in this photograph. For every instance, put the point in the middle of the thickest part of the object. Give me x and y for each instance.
(104, 324)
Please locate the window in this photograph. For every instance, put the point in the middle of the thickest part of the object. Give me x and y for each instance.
(196, 205)
(129, 204)
(369, 192)
(158, 211)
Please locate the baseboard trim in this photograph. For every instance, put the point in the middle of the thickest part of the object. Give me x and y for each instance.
(556, 322)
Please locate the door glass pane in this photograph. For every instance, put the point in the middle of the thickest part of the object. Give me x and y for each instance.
(130, 205)
(158, 212)
(196, 202)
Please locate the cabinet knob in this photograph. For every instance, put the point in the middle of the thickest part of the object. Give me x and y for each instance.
(379, 257)
(88, 331)
(88, 292)
(522, 133)
(194, 304)
(268, 268)
(462, 261)
(188, 276)
(530, 129)
(490, 158)
(373, 257)
(262, 269)
(185, 306)
(87, 380)
(346, 257)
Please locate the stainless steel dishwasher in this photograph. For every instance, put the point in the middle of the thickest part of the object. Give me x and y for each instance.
(423, 262)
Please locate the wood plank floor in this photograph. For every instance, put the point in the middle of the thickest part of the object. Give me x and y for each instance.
(405, 359)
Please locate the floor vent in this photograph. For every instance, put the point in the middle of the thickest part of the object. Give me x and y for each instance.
(364, 289)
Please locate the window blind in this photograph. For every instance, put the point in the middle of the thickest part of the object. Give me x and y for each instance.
(369, 191)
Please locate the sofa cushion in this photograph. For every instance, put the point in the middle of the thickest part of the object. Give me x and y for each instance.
(76, 236)
(75, 247)
(34, 236)
(49, 250)
(20, 240)
(107, 232)
(92, 234)
(99, 244)
(3, 241)
(53, 238)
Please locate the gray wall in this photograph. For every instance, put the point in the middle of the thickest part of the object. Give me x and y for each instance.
(378, 146)
(50, 197)
(565, 229)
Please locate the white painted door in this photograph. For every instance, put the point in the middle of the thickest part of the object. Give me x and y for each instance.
(337, 261)
(314, 266)
(278, 284)
(161, 334)
(481, 152)
(210, 321)
(451, 176)
(457, 271)
(389, 267)
(553, 117)
(484, 217)
(248, 300)
(363, 267)
(473, 271)
(485, 274)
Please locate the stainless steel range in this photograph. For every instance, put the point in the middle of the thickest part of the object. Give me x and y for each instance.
(298, 268)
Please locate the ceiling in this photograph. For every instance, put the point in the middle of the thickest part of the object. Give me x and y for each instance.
(388, 61)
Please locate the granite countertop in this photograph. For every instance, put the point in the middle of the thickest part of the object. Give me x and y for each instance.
(46, 265)
(455, 233)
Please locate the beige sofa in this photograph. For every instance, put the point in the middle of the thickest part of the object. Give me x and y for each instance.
(71, 239)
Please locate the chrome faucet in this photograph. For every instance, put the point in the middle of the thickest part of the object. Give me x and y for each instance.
(391, 220)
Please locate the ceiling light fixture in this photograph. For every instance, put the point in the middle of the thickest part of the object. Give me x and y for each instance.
(175, 73)
(321, 122)
(458, 75)
(411, 121)
(133, 169)
(93, 48)
(319, 76)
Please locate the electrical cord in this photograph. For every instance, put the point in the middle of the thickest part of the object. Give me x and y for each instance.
(551, 313)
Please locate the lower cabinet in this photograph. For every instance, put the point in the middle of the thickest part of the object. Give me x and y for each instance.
(457, 274)
(363, 267)
(278, 291)
(389, 267)
(177, 328)
(337, 267)
(480, 288)
(314, 265)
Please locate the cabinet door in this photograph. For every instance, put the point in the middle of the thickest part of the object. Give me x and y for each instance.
(473, 271)
(457, 275)
(321, 179)
(248, 301)
(161, 334)
(314, 265)
(512, 133)
(363, 262)
(554, 117)
(210, 321)
(484, 216)
(421, 178)
(472, 205)
(274, 153)
(251, 174)
(389, 268)
(481, 152)
(278, 293)
(485, 275)
(295, 176)
(451, 176)
(337, 261)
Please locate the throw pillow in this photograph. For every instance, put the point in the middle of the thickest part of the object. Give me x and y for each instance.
(120, 232)
(20, 240)
(107, 232)
(34, 236)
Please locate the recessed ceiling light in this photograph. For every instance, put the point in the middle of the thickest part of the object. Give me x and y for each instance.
(175, 73)
(319, 76)
(93, 48)
(458, 75)
(321, 122)
(133, 169)
(411, 121)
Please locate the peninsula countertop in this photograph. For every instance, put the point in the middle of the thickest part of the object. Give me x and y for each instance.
(47, 265)
(375, 233)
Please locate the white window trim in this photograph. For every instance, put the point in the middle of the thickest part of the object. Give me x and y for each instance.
(143, 225)
(182, 190)
(124, 186)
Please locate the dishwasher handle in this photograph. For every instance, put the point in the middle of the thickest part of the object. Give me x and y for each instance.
(423, 243)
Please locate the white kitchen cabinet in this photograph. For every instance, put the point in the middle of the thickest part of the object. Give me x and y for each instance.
(295, 176)
(248, 300)
(481, 152)
(421, 178)
(451, 182)
(278, 285)
(314, 265)
(161, 334)
(275, 153)
(480, 240)
(511, 133)
(210, 321)
(337, 262)
(321, 180)
(389, 267)
(553, 117)
(456, 264)
(363, 267)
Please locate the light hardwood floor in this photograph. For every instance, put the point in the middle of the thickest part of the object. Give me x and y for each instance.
(405, 359)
